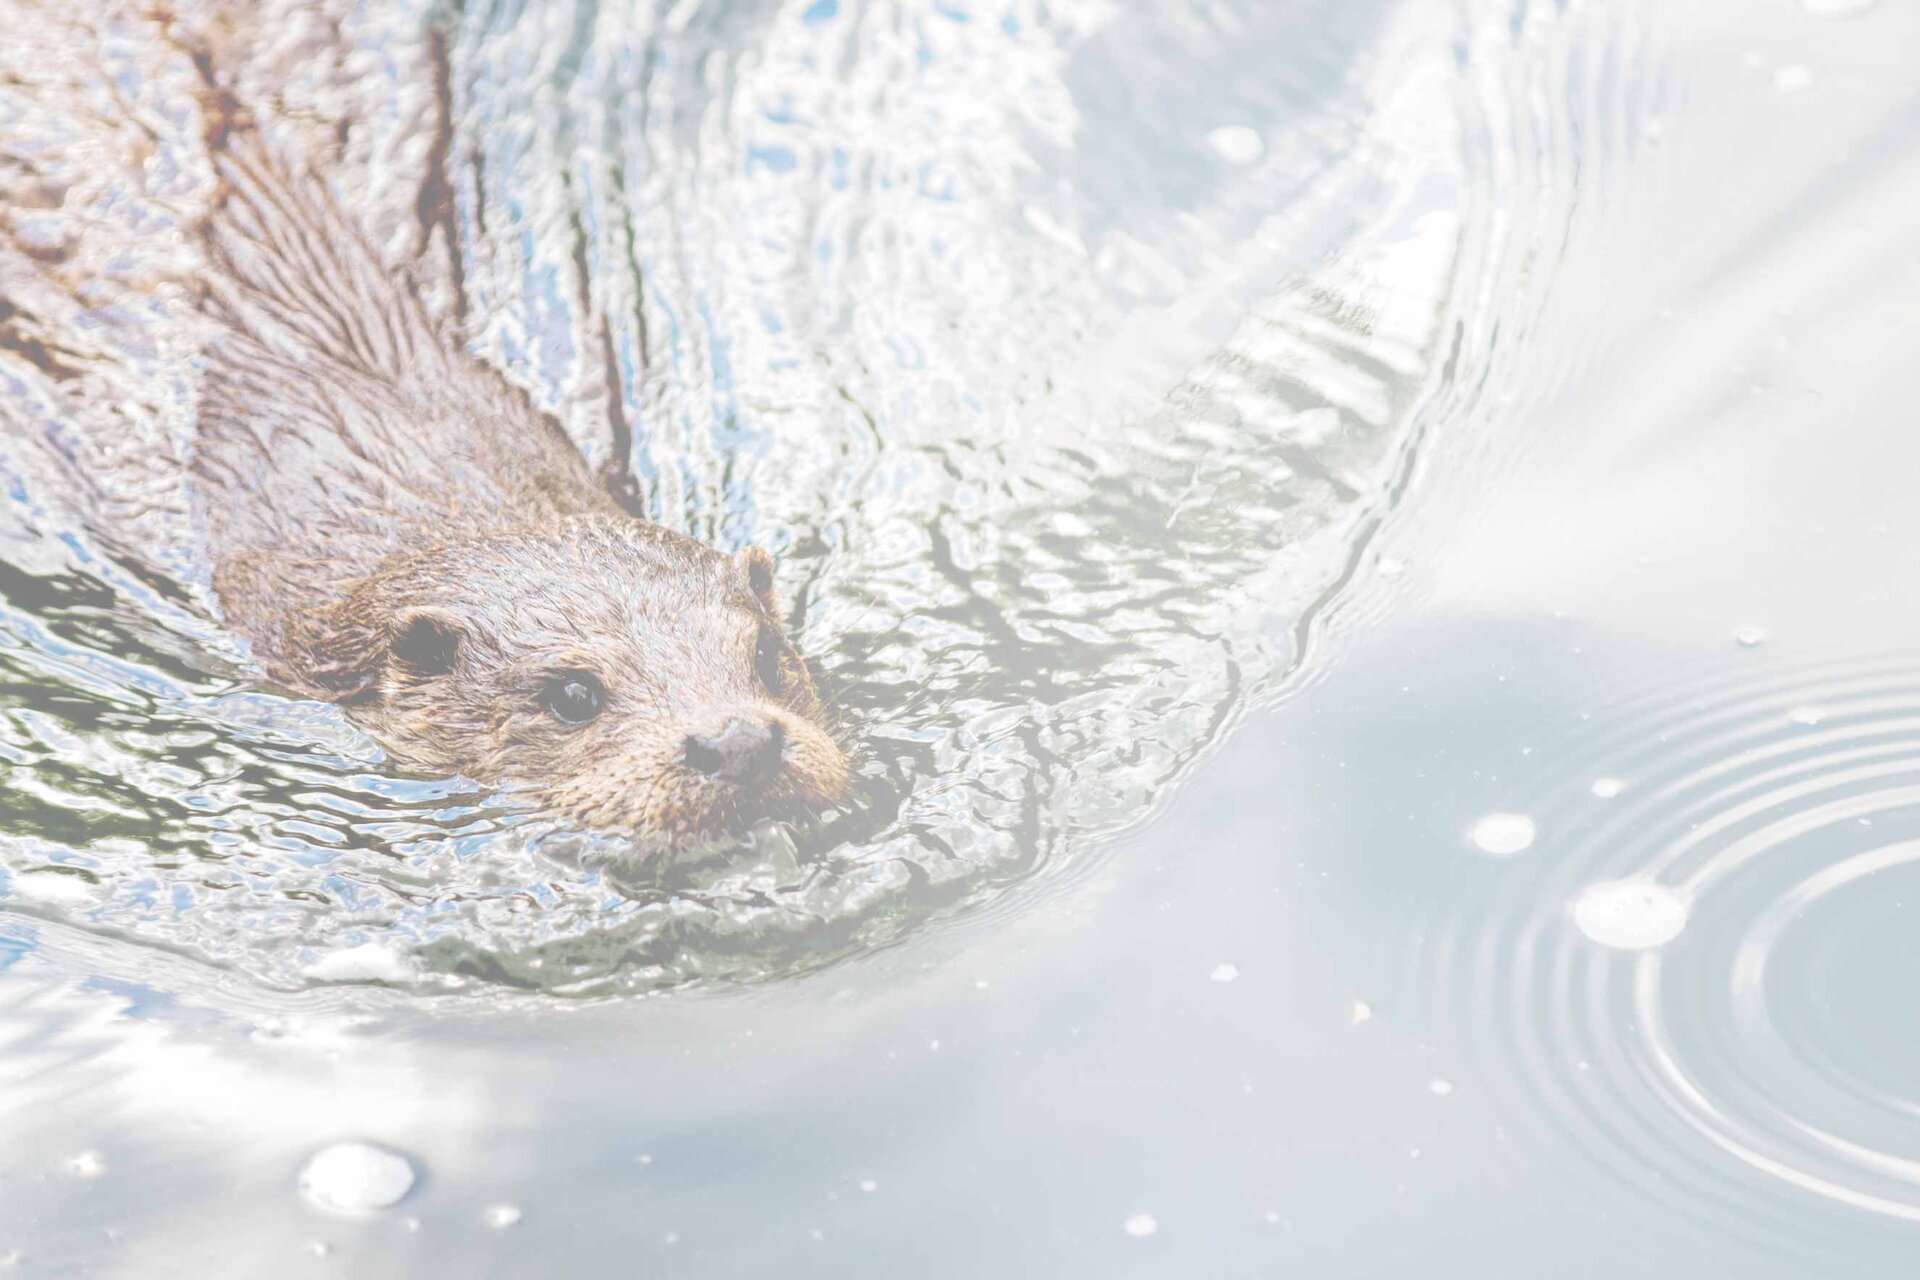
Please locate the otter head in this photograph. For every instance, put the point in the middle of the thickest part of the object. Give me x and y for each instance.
(624, 675)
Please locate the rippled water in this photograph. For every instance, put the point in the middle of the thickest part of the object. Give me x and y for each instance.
(829, 283)
(1364, 544)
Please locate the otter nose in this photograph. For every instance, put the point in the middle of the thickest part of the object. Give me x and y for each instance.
(742, 751)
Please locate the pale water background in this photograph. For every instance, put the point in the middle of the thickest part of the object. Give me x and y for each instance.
(1370, 546)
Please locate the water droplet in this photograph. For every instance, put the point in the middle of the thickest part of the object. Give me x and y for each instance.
(1749, 637)
(1440, 1088)
(1792, 79)
(1630, 915)
(1140, 1226)
(1504, 834)
(87, 1164)
(502, 1216)
(1237, 144)
(352, 1177)
(1606, 788)
(1224, 973)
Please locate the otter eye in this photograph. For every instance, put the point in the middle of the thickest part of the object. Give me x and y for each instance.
(573, 697)
(426, 647)
(766, 660)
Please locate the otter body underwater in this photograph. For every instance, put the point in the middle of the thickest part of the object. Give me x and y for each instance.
(391, 526)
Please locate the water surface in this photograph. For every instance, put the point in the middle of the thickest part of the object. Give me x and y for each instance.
(1366, 541)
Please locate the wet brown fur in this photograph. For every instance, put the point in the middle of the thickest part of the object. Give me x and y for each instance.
(353, 471)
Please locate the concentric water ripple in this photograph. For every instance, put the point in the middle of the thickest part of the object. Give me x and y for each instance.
(1702, 971)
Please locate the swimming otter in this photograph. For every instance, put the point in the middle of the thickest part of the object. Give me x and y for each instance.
(394, 527)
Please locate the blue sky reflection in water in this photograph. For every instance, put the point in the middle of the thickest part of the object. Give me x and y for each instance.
(1227, 453)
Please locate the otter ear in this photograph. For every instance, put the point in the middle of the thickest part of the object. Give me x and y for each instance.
(758, 566)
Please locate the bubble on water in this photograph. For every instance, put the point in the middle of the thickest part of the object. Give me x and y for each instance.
(502, 1216)
(353, 1177)
(1224, 973)
(1792, 79)
(1503, 834)
(1630, 915)
(1237, 144)
(1806, 715)
(1440, 1088)
(368, 962)
(1837, 8)
(1749, 637)
(87, 1164)
(1606, 788)
(1140, 1225)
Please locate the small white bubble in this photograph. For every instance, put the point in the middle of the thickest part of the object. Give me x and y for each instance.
(1361, 1012)
(352, 1177)
(644, 1158)
(1630, 915)
(1224, 973)
(1440, 1088)
(933, 1046)
(1504, 834)
(869, 1186)
(1606, 788)
(1140, 1226)
(320, 1249)
(1273, 1219)
(87, 1164)
(1237, 144)
(1792, 79)
(1750, 637)
(817, 1233)
(1806, 715)
(502, 1216)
